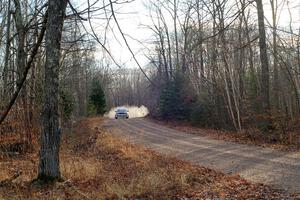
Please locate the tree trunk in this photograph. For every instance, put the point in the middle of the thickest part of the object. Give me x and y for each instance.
(21, 65)
(7, 51)
(253, 77)
(265, 76)
(164, 56)
(276, 85)
(50, 136)
(176, 35)
(200, 46)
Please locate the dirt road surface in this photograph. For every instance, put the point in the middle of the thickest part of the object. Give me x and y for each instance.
(257, 164)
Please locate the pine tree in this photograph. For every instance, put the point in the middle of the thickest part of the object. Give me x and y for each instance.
(97, 98)
(175, 102)
(66, 103)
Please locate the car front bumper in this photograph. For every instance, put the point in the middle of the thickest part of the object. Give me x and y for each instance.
(121, 116)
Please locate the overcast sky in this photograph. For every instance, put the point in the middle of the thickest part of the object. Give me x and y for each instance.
(134, 16)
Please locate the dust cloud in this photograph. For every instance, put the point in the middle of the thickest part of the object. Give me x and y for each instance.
(134, 111)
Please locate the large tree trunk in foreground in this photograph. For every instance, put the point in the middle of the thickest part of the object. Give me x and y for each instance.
(50, 136)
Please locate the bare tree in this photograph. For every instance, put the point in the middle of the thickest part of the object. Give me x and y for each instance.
(50, 136)
(276, 85)
(7, 49)
(264, 59)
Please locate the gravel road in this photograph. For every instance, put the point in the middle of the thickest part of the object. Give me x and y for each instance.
(257, 164)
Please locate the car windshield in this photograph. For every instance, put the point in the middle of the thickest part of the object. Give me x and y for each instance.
(121, 111)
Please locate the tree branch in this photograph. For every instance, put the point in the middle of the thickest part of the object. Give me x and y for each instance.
(21, 82)
(125, 40)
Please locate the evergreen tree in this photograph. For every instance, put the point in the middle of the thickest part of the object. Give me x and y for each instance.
(66, 103)
(175, 99)
(97, 98)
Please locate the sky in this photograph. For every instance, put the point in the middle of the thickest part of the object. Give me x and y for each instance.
(133, 18)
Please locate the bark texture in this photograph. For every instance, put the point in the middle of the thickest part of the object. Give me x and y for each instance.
(50, 136)
(265, 75)
(7, 51)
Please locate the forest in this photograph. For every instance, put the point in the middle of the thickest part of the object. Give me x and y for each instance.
(219, 64)
(224, 65)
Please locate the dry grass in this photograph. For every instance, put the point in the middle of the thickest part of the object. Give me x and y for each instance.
(96, 165)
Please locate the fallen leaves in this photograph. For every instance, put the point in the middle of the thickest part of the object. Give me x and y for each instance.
(96, 165)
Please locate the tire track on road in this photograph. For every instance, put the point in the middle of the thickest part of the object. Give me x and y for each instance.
(254, 163)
